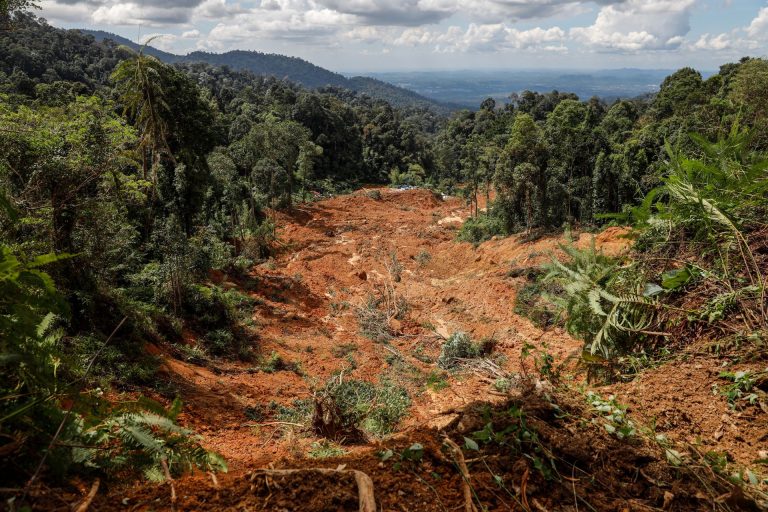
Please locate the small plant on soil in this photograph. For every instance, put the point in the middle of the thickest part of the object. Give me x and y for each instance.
(502, 385)
(742, 388)
(513, 432)
(298, 412)
(194, 354)
(374, 194)
(457, 348)
(275, 363)
(338, 307)
(343, 350)
(326, 449)
(374, 323)
(436, 381)
(613, 415)
(423, 258)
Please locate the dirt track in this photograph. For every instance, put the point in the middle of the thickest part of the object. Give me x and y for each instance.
(336, 254)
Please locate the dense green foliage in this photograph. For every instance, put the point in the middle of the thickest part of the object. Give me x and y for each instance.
(45, 412)
(696, 271)
(555, 160)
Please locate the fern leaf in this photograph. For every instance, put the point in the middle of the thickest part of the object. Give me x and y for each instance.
(594, 302)
(141, 438)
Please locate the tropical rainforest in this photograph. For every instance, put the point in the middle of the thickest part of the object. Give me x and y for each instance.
(126, 183)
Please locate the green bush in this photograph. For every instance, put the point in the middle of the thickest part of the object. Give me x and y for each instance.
(220, 314)
(360, 405)
(325, 449)
(93, 434)
(477, 230)
(458, 346)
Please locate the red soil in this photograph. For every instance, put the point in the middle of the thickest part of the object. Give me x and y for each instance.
(334, 257)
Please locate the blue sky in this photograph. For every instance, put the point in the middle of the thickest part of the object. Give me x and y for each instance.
(381, 35)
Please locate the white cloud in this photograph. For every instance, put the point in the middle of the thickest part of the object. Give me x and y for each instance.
(759, 26)
(483, 38)
(638, 25)
(135, 14)
(294, 21)
(399, 13)
(375, 27)
(712, 43)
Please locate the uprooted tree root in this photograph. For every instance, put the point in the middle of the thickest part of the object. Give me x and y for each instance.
(539, 451)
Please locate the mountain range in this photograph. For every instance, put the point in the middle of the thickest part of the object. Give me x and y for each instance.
(291, 68)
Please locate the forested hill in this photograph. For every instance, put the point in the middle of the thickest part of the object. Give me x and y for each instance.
(290, 68)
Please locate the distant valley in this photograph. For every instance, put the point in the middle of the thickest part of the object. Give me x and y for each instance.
(468, 88)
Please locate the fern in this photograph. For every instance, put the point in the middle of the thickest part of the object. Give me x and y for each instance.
(144, 440)
(607, 319)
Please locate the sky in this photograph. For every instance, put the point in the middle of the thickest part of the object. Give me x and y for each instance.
(389, 35)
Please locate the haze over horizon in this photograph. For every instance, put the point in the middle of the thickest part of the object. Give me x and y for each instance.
(380, 36)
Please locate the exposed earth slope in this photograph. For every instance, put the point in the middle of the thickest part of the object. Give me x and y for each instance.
(340, 252)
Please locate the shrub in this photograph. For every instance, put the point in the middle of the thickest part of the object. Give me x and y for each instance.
(374, 323)
(142, 436)
(459, 346)
(275, 363)
(423, 257)
(479, 229)
(325, 449)
(221, 314)
(345, 410)
(300, 411)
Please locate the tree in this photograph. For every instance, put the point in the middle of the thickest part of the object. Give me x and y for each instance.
(139, 84)
(570, 163)
(57, 158)
(749, 93)
(274, 144)
(520, 177)
(10, 7)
